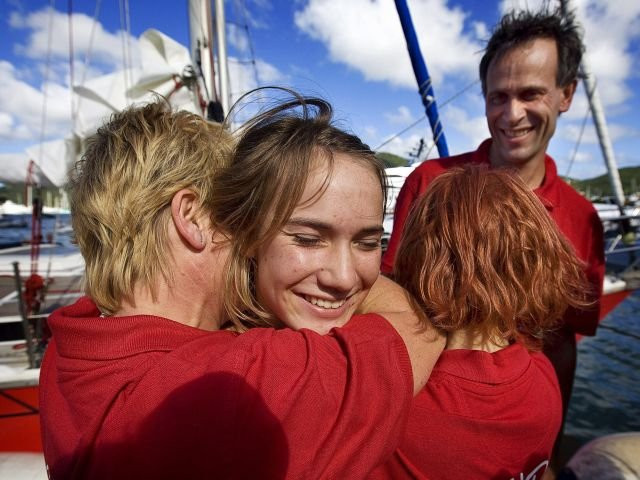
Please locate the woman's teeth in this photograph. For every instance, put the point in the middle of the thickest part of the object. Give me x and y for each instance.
(319, 302)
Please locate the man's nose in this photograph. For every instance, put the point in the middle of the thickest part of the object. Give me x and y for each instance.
(514, 110)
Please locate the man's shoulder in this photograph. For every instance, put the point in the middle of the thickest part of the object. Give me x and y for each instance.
(572, 198)
(432, 168)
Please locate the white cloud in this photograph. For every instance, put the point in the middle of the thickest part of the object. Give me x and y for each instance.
(42, 81)
(610, 28)
(243, 75)
(237, 37)
(366, 35)
(583, 157)
(88, 37)
(369, 131)
(24, 104)
(467, 129)
(402, 116)
(589, 136)
(8, 129)
(481, 30)
(243, 79)
(268, 73)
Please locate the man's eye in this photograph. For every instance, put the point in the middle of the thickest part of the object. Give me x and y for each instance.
(530, 95)
(496, 99)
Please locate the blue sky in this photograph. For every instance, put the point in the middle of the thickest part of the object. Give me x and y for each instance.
(350, 51)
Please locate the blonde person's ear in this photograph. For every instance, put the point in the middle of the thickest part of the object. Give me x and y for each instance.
(185, 212)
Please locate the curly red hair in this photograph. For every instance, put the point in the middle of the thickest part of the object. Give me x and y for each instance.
(480, 252)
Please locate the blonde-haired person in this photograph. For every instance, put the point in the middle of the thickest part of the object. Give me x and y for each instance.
(486, 264)
(139, 381)
(121, 188)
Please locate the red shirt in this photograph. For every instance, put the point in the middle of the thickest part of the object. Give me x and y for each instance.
(481, 415)
(575, 216)
(147, 397)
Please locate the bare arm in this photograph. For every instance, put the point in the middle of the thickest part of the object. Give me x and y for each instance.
(424, 343)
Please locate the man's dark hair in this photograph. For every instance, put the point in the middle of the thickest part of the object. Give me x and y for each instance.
(519, 27)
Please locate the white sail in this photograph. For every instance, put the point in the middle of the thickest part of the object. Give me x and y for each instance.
(54, 159)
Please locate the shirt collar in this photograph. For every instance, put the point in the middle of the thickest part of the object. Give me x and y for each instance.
(547, 192)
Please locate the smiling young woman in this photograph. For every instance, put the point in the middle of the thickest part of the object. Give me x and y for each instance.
(319, 267)
(304, 202)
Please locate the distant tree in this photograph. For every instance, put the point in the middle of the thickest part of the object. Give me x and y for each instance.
(392, 160)
(630, 177)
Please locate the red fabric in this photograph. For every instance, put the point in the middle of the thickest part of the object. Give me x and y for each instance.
(146, 397)
(481, 415)
(574, 215)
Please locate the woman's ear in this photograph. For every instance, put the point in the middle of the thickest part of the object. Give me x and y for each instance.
(185, 212)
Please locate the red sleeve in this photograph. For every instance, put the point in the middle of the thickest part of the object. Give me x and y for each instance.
(585, 322)
(408, 195)
(342, 400)
(267, 404)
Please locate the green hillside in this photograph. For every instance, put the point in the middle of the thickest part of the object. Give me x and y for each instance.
(600, 186)
(391, 160)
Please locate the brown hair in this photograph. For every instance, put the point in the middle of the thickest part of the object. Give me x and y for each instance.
(121, 190)
(480, 252)
(520, 27)
(257, 193)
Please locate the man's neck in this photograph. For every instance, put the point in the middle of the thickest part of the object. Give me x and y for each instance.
(174, 304)
(532, 172)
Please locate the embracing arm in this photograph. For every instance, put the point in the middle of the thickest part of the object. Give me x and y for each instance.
(424, 343)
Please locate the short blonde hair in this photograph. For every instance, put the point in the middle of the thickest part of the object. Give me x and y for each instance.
(479, 251)
(121, 191)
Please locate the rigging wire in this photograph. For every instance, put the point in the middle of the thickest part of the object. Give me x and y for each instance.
(582, 128)
(87, 56)
(71, 70)
(249, 40)
(127, 19)
(47, 69)
(578, 141)
(123, 45)
(449, 100)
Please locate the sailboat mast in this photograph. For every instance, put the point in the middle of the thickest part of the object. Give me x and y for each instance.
(223, 69)
(600, 123)
(422, 76)
(201, 39)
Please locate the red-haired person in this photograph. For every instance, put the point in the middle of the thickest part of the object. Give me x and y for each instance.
(486, 264)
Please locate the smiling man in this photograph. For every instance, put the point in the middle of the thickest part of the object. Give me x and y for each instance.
(529, 74)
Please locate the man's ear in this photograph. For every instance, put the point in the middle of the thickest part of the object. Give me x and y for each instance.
(185, 210)
(567, 95)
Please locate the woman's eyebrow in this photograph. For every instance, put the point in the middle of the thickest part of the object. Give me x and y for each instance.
(323, 226)
(372, 230)
(308, 222)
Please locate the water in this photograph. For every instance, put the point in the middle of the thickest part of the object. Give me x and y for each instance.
(51, 225)
(606, 392)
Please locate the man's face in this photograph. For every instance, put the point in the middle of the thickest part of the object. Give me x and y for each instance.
(523, 102)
